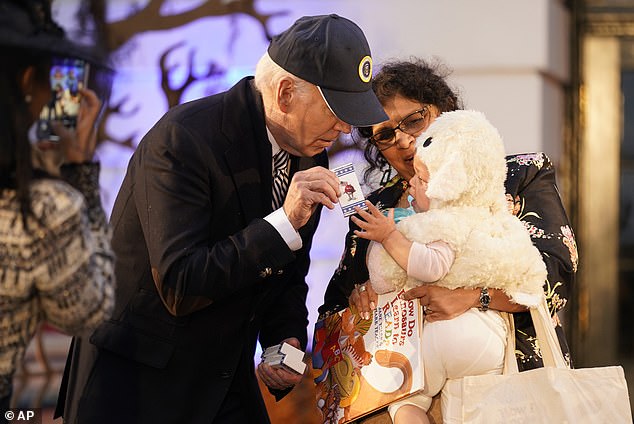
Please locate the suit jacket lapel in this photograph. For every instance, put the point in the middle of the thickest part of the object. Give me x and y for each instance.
(301, 163)
(248, 154)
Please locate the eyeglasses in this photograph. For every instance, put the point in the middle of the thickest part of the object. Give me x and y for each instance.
(411, 124)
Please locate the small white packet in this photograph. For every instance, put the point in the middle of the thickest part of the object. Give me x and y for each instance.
(351, 193)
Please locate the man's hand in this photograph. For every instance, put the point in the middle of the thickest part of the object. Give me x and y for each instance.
(279, 378)
(307, 190)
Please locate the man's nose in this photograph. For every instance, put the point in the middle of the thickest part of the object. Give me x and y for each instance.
(342, 126)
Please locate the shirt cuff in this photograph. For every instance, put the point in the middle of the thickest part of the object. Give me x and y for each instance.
(280, 222)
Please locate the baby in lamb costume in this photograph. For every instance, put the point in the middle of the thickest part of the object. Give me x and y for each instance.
(461, 236)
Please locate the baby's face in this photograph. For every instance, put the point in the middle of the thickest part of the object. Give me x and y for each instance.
(418, 186)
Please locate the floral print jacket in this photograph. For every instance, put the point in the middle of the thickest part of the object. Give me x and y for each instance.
(533, 197)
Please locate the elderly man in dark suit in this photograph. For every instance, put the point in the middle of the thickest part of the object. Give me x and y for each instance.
(212, 230)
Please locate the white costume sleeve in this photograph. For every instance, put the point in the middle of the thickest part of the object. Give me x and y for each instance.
(429, 262)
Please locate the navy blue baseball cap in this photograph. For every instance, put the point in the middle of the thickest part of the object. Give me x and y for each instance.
(332, 53)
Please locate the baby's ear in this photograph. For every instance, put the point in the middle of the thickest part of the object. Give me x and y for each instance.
(450, 180)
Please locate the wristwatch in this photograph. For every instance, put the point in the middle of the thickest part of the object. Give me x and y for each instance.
(485, 299)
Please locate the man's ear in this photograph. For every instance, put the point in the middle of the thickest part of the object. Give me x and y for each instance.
(285, 92)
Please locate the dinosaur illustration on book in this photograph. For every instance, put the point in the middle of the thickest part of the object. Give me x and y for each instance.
(344, 348)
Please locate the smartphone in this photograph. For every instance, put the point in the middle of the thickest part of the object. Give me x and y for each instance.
(67, 76)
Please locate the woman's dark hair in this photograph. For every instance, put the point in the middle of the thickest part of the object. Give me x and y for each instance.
(413, 79)
(16, 170)
(30, 37)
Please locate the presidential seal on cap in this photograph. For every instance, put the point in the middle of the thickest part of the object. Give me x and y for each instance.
(365, 69)
(332, 53)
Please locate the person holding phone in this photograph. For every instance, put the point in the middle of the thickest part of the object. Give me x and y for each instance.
(56, 262)
(68, 77)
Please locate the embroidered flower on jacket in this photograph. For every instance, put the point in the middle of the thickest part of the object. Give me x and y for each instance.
(571, 244)
(513, 205)
(555, 302)
(536, 232)
(528, 159)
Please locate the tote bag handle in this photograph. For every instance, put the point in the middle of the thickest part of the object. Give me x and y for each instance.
(546, 337)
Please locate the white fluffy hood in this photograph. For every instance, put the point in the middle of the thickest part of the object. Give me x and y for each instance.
(465, 157)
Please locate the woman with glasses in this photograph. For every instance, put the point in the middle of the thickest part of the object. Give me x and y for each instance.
(413, 94)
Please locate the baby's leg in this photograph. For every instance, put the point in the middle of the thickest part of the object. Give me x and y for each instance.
(470, 344)
(410, 414)
(412, 409)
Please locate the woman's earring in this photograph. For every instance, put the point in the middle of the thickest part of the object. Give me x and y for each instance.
(385, 178)
(27, 98)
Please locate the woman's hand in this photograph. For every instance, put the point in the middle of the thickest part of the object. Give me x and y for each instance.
(78, 145)
(440, 303)
(364, 299)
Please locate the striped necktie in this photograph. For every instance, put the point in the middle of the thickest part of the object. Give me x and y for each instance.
(281, 161)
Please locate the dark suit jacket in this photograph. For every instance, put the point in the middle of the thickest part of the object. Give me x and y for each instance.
(200, 274)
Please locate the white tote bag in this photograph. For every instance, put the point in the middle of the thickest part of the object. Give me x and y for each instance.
(549, 395)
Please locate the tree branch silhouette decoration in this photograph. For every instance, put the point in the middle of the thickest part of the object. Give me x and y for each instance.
(150, 18)
(116, 109)
(112, 36)
(174, 94)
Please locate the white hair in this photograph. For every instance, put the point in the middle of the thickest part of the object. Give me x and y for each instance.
(268, 74)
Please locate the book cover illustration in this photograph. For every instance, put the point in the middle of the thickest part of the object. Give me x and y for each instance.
(362, 365)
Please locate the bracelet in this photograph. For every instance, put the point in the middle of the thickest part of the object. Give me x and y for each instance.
(485, 299)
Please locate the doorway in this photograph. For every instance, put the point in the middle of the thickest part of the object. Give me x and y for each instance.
(602, 140)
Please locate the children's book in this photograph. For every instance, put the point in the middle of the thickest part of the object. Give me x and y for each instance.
(361, 365)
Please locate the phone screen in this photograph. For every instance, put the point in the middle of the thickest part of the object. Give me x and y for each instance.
(67, 76)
